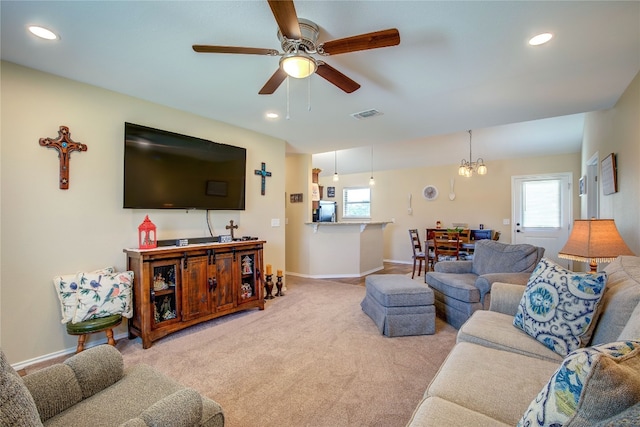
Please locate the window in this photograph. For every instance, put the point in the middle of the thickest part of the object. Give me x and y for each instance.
(357, 202)
(541, 204)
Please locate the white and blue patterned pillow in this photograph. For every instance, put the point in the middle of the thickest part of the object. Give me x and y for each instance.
(559, 306)
(592, 384)
(103, 294)
(67, 288)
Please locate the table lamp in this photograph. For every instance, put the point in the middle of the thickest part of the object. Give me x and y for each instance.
(594, 241)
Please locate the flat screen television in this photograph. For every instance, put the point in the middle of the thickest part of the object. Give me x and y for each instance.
(166, 170)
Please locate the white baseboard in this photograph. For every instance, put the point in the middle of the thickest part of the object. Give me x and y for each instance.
(396, 261)
(334, 276)
(70, 350)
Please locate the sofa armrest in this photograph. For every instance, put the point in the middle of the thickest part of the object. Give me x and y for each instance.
(484, 282)
(505, 298)
(180, 409)
(458, 267)
(96, 368)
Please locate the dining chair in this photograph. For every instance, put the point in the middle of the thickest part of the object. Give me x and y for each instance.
(418, 253)
(446, 245)
(466, 245)
(429, 251)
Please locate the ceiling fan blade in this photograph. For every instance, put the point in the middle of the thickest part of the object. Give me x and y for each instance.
(285, 13)
(384, 38)
(335, 77)
(274, 82)
(202, 48)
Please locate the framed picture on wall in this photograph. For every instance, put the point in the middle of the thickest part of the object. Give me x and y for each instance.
(608, 174)
(582, 185)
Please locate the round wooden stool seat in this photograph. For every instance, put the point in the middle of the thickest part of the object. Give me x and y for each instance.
(94, 325)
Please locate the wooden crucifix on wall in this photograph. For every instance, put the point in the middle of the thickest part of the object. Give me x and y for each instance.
(64, 145)
(231, 227)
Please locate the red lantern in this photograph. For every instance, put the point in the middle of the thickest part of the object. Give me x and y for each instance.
(147, 238)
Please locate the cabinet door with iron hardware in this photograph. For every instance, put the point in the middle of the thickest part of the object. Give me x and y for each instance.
(196, 300)
(221, 272)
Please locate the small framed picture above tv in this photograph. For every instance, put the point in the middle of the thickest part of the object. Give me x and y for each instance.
(167, 170)
(608, 172)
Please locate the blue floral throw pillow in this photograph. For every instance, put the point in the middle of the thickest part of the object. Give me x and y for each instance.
(593, 384)
(559, 306)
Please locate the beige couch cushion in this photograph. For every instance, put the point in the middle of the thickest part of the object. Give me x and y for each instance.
(622, 293)
(437, 412)
(496, 330)
(496, 383)
(632, 330)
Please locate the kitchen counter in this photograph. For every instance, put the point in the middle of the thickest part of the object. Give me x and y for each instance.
(345, 248)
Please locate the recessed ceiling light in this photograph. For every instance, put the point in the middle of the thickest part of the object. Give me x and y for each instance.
(272, 115)
(540, 39)
(42, 32)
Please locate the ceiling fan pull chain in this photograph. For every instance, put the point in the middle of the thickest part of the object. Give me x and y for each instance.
(309, 93)
(288, 117)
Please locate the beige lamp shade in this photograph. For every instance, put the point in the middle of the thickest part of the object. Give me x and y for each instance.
(594, 241)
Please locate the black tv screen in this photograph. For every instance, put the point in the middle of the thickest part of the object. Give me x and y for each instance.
(166, 170)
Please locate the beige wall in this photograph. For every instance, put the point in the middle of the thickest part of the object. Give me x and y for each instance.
(480, 199)
(46, 231)
(617, 130)
(298, 181)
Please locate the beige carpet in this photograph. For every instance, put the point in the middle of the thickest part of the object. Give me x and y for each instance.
(311, 358)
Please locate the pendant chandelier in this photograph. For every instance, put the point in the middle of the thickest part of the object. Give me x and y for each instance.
(371, 180)
(336, 177)
(467, 168)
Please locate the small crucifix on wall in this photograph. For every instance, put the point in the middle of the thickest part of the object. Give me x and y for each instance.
(64, 145)
(263, 173)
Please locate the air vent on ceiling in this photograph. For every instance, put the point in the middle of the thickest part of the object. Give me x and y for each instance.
(366, 114)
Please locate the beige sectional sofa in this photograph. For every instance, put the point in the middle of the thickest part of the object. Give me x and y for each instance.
(495, 370)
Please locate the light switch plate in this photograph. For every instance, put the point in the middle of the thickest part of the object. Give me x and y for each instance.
(275, 222)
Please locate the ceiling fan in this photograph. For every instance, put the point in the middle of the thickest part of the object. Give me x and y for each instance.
(299, 38)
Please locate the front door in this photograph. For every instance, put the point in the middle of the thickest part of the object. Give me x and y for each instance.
(542, 212)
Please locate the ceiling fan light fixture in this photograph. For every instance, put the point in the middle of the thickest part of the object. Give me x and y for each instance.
(540, 39)
(298, 64)
(42, 32)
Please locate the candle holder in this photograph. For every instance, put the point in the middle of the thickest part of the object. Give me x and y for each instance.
(268, 286)
(279, 286)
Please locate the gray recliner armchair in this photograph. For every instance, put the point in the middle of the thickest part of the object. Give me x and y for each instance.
(462, 287)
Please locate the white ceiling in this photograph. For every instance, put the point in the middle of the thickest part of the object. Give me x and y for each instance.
(459, 65)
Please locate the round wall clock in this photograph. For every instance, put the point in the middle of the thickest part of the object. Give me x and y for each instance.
(430, 192)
